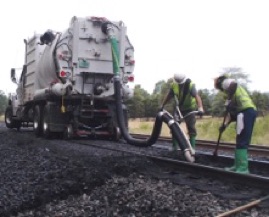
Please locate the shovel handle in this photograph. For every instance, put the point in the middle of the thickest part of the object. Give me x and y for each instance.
(220, 133)
(217, 146)
(244, 207)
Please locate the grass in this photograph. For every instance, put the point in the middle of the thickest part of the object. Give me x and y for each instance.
(207, 129)
(145, 127)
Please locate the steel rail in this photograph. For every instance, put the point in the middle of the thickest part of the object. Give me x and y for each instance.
(255, 150)
(250, 179)
(195, 168)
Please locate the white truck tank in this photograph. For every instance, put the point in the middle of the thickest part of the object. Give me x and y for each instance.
(68, 80)
(79, 58)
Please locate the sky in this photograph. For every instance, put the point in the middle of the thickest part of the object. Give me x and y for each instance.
(195, 37)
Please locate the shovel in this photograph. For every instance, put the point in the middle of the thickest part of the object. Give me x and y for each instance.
(215, 153)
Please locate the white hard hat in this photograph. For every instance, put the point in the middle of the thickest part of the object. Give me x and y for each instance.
(180, 78)
(227, 82)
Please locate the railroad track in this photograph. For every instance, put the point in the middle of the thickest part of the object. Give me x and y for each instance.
(209, 145)
(206, 164)
(205, 145)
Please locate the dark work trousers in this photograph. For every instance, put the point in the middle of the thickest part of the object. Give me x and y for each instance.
(190, 123)
(244, 127)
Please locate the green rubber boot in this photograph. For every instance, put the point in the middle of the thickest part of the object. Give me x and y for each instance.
(241, 159)
(193, 141)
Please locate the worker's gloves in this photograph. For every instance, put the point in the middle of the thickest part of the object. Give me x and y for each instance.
(222, 128)
(176, 118)
(200, 111)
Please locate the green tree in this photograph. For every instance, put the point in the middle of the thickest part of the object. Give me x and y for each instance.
(136, 105)
(205, 96)
(261, 101)
(170, 106)
(218, 104)
(152, 105)
(146, 105)
(158, 87)
(237, 73)
(3, 102)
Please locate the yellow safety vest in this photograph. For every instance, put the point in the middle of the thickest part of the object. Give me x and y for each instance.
(189, 101)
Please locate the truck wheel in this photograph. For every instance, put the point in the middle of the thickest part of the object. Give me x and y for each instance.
(38, 116)
(10, 122)
(68, 132)
(117, 134)
(8, 117)
(46, 123)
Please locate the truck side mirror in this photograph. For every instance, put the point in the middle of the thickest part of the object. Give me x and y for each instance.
(13, 76)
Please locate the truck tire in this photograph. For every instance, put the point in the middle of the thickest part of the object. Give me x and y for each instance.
(46, 123)
(68, 133)
(116, 134)
(8, 117)
(10, 122)
(38, 120)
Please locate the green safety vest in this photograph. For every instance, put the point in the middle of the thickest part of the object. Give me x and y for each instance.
(242, 100)
(189, 101)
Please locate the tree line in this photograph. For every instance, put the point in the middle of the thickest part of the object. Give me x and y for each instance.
(3, 102)
(145, 105)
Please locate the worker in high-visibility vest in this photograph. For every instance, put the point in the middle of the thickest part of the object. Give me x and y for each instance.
(241, 109)
(188, 100)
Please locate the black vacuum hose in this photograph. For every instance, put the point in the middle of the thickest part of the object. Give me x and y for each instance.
(161, 117)
(120, 117)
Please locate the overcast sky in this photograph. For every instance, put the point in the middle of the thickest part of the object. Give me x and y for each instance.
(195, 37)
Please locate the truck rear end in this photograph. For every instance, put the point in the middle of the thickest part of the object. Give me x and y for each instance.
(66, 85)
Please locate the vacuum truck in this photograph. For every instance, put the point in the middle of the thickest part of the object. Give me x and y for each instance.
(75, 83)
(66, 83)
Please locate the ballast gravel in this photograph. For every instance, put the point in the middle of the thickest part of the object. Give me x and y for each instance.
(53, 178)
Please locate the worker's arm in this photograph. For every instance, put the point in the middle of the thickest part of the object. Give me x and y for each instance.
(199, 103)
(198, 99)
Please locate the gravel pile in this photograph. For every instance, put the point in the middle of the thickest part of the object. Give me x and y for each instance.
(43, 178)
(135, 196)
